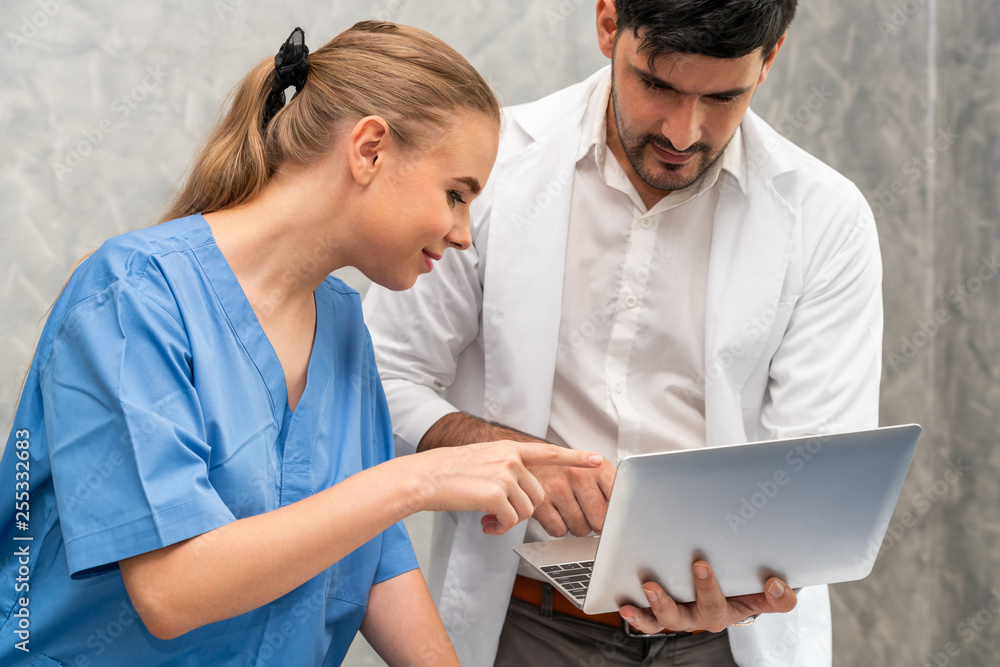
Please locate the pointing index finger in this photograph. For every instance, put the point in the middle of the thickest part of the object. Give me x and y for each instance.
(536, 453)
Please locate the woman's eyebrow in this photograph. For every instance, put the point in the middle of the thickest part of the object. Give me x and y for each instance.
(472, 182)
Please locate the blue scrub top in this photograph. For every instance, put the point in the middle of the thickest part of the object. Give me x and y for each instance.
(156, 410)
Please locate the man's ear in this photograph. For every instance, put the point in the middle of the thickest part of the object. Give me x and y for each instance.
(607, 26)
(368, 142)
(769, 60)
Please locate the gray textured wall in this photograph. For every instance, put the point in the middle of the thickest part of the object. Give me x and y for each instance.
(102, 104)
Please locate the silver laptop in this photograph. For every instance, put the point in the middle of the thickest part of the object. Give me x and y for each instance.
(809, 510)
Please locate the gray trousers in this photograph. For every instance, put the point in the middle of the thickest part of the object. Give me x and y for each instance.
(531, 638)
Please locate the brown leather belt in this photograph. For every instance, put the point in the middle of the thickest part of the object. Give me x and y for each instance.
(529, 590)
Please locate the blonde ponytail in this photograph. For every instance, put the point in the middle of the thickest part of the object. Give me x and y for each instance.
(403, 74)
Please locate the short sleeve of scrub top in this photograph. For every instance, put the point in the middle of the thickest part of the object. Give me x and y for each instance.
(158, 411)
(120, 374)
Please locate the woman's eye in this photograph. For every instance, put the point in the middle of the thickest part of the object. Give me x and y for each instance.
(454, 196)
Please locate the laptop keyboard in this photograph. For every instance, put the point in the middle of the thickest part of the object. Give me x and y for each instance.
(574, 578)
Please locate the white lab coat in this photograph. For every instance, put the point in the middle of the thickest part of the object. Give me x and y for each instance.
(793, 340)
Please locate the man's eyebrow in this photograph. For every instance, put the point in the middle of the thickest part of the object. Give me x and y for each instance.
(652, 78)
(472, 182)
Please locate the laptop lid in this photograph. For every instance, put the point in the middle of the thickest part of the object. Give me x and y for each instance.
(809, 510)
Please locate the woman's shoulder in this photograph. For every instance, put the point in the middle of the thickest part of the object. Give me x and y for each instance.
(136, 262)
(127, 256)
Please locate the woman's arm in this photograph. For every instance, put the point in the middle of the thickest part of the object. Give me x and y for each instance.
(403, 625)
(247, 563)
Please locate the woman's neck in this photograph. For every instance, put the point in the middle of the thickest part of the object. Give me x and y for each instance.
(281, 245)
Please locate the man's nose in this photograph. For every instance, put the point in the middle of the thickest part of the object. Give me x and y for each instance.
(682, 123)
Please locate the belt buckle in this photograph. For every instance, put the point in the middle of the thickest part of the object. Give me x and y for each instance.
(627, 629)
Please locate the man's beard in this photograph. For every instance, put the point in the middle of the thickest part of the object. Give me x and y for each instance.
(635, 149)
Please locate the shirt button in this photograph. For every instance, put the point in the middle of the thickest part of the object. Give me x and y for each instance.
(646, 223)
(619, 387)
(631, 302)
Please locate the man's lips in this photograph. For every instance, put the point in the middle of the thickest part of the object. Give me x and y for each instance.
(670, 157)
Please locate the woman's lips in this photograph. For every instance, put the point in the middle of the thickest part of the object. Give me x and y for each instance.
(428, 257)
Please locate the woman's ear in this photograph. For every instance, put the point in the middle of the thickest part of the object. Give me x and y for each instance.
(368, 142)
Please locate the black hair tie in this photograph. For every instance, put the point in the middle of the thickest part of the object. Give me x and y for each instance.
(291, 66)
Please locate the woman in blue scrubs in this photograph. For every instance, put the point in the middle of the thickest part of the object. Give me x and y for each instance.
(199, 469)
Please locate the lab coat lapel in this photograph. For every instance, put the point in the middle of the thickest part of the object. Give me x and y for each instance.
(521, 307)
(524, 280)
(752, 241)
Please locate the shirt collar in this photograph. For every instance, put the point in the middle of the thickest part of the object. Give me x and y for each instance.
(593, 138)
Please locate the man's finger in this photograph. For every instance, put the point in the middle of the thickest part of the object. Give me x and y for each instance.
(711, 603)
(549, 519)
(641, 620)
(593, 504)
(667, 612)
(539, 454)
(780, 597)
(573, 516)
(532, 487)
(606, 479)
(777, 598)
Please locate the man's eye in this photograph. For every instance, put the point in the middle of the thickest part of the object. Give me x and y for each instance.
(725, 99)
(454, 196)
(652, 85)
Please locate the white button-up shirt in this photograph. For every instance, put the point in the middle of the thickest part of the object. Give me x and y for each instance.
(632, 333)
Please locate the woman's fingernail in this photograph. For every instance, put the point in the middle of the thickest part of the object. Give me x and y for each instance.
(650, 595)
(596, 459)
(701, 571)
(777, 589)
(630, 619)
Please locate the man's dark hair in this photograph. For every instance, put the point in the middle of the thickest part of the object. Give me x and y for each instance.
(715, 28)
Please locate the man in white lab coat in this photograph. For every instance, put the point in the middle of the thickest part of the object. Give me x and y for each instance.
(651, 267)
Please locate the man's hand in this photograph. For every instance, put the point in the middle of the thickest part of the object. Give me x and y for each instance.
(490, 477)
(576, 499)
(712, 611)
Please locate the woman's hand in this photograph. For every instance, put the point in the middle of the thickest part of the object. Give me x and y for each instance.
(488, 477)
